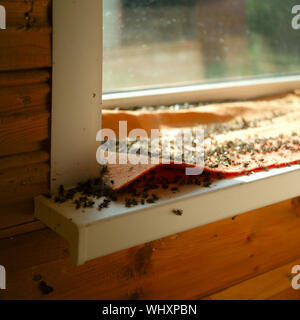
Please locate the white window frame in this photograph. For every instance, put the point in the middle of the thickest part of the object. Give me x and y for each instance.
(76, 90)
(220, 91)
(76, 115)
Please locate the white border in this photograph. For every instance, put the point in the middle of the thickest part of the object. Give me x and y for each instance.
(77, 90)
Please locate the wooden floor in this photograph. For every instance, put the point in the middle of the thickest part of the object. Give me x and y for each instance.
(245, 257)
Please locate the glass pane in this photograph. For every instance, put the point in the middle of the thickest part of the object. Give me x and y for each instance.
(160, 43)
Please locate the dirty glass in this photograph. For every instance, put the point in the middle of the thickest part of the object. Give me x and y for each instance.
(161, 43)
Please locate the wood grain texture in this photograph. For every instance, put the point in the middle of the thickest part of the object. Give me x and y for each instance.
(24, 78)
(287, 294)
(25, 104)
(275, 284)
(26, 42)
(25, 73)
(25, 49)
(22, 129)
(25, 14)
(22, 176)
(24, 165)
(22, 228)
(23, 159)
(22, 148)
(17, 213)
(23, 183)
(24, 98)
(192, 264)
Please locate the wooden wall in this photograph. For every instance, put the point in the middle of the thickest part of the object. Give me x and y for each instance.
(25, 74)
(245, 257)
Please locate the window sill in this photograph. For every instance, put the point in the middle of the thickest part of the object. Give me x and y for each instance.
(92, 233)
(216, 91)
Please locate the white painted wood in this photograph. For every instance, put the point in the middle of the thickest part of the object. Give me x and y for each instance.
(94, 233)
(231, 90)
(77, 89)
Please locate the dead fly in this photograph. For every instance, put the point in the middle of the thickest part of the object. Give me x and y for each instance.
(178, 212)
(219, 175)
(246, 164)
(190, 180)
(89, 204)
(84, 202)
(197, 182)
(104, 204)
(45, 289)
(77, 204)
(207, 182)
(145, 195)
(60, 198)
(155, 197)
(130, 202)
(103, 169)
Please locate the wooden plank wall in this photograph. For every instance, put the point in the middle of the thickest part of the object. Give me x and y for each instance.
(25, 72)
(213, 261)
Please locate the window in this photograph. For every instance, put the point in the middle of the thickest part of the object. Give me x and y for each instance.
(77, 93)
(162, 43)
